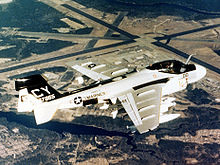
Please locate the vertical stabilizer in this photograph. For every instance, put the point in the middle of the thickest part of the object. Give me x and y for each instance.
(35, 94)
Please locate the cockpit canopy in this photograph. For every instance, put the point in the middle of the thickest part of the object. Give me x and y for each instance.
(172, 66)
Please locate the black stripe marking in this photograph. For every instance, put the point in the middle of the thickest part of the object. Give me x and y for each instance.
(164, 80)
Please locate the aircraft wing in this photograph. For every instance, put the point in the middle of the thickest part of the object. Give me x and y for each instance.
(143, 106)
(90, 73)
(99, 70)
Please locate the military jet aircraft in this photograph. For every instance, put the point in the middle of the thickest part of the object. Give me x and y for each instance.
(143, 94)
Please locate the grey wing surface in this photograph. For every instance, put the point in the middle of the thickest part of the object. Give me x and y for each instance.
(143, 107)
(99, 70)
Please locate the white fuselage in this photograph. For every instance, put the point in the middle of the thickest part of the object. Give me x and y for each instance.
(114, 89)
(42, 99)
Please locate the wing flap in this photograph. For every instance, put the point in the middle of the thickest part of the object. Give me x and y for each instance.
(143, 107)
(131, 108)
(149, 109)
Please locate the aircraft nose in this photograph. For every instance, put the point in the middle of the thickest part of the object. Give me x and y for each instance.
(201, 71)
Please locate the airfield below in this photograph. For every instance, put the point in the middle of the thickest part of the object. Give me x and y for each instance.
(80, 30)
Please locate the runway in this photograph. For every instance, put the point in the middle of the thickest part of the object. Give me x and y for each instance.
(60, 36)
(19, 66)
(125, 38)
(112, 27)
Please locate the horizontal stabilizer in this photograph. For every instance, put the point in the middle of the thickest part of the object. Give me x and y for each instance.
(26, 101)
(44, 112)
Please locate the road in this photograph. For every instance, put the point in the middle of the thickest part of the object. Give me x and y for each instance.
(125, 37)
(60, 36)
(185, 55)
(169, 37)
(112, 27)
(116, 23)
(20, 66)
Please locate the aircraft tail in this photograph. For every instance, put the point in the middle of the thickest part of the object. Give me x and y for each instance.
(35, 95)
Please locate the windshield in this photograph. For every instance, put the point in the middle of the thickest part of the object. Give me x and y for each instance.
(172, 66)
